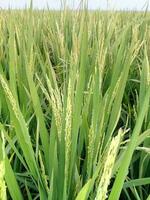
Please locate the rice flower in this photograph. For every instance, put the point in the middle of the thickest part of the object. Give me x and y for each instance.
(2, 182)
(55, 99)
(68, 129)
(2, 170)
(57, 110)
(10, 96)
(108, 167)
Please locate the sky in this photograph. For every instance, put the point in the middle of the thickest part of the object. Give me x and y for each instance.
(92, 4)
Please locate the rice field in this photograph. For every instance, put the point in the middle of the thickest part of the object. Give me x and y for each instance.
(74, 105)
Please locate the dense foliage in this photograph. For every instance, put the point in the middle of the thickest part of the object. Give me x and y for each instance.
(74, 105)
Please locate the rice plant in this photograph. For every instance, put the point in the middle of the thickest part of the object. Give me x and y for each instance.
(74, 105)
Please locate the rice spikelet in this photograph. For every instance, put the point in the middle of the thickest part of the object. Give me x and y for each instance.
(10, 96)
(91, 138)
(56, 107)
(68, 130)
(2, 182)
(108, 167)
(57, 111)
(2, 170)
